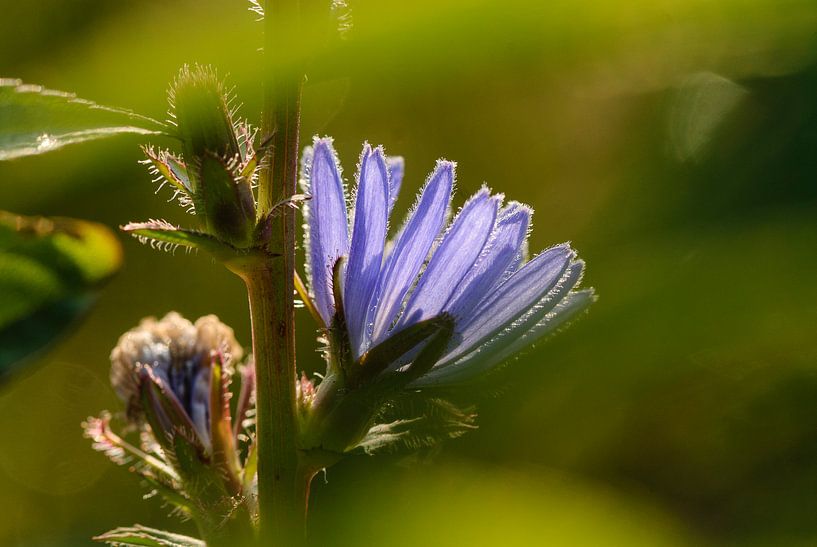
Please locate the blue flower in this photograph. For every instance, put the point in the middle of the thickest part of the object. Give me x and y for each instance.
(176, 356)
(470, 273)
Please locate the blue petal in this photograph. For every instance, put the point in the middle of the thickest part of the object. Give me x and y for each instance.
(413, 244)
(512, 299)
(572, 304)
(368, 239)
(327, 225)
(489, 348)
(396, 170)
(459, 249)
(521, 256)
(200, 404)
(513, 342)
(499, 254)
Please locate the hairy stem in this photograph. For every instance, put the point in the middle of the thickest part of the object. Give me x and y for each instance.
(270, 286)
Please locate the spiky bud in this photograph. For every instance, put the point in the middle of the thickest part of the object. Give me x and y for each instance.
(219, 161)
(202, 112)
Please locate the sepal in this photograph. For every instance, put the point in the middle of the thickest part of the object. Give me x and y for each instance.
(224, 452)
(348, 399)
(122, 452)
(414, 422)
(213, 490)
(167, 168)
(433, 332)
(226, 200)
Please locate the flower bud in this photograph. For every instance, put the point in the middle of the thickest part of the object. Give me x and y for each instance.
(173, 376)
(218, 156)
(177, 353)
(203, 117)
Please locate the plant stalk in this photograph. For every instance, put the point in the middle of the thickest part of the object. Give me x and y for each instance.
(282, 490)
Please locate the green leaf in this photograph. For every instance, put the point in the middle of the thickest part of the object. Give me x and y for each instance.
(49, 272)
(162, 235)
(150, 537)
(35, 120)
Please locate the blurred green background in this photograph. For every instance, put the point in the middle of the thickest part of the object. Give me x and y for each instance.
(673, 142)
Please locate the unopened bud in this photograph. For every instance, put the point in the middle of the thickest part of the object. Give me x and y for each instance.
(203, 117)
(216, 150)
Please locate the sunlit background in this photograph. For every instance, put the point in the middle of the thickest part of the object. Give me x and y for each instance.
(673, 142)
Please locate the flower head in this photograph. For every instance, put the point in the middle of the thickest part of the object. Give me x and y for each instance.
(467, 279)
(176, 355)
(174, 376)
(439, 303)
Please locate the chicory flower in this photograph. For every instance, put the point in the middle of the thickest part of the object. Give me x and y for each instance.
(470, 272)
(437, 304)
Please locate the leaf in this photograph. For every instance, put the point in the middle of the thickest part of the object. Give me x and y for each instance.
(49, 272)
(162, 235)
(36, 120)
(150, 537)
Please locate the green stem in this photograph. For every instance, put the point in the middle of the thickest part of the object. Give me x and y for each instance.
(280, 124)
(270, 285)
(281, 501)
